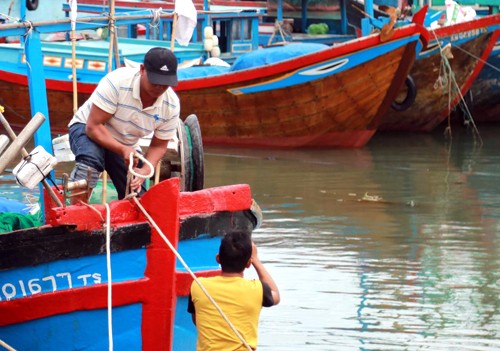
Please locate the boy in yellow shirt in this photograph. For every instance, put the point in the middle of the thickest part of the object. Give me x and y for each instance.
(240, 299)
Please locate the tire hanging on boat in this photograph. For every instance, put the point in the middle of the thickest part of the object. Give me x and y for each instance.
(196, 153)
(32, 5)
(185, 158)
(411, 94)
(190, 168)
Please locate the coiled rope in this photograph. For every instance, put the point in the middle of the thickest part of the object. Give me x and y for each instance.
(176, 253)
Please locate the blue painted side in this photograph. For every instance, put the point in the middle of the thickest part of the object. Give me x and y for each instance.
(97, 50)
(185, 332)
(43, 12)
(199, 254)
(82, 330)
(75, 273)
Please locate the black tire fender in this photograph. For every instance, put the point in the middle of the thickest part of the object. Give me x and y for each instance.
(411, 94)
(185, 158)
(32, 5)
(196, 153)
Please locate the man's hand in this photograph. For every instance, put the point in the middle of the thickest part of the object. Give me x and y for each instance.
(126, 151)
(136, 182)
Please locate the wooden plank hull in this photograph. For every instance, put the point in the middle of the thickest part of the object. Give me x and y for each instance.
(54, 279)
(14, 96)
(335, 97)
(437, 95)
(337, 111)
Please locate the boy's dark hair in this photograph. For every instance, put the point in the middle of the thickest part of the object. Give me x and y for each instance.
(234, 252)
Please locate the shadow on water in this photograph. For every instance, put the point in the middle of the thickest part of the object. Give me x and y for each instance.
(389, 247)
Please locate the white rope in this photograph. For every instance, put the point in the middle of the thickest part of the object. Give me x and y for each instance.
(132, 172)
(143, 159)
(93, 209)
(181, 260)
(110, 284)
(6, 346)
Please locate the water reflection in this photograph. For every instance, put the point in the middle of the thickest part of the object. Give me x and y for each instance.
(392, 247)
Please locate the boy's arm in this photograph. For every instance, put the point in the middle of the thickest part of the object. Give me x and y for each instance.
(191, 309)
(264, 275)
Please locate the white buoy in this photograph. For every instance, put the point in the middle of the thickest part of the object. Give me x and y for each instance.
(215, 51)
(208, 32)
(208, 44)
(215, 39)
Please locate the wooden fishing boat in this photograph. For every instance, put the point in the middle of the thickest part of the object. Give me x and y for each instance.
(92, 61)
(333, 97)
(92, 65)
(436, 82)
(284, 104)
(116, 274)
(54, 278)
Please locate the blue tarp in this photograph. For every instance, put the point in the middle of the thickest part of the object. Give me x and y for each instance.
(255, 58)
(271, 55)
(7, 205)
(200, 71)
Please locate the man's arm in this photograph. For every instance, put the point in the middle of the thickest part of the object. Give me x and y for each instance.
(96, 131)
(191, 309)
(264, 275)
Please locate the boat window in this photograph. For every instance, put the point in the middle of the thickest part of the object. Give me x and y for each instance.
(241, 30)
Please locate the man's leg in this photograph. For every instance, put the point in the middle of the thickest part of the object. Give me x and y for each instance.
(89, 159)
(117, 170)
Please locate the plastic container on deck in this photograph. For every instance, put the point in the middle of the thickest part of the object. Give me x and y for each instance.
(33, 168)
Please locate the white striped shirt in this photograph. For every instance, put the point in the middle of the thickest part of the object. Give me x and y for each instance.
(118, 93)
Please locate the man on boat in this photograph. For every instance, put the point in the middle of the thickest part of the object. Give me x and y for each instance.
(128, 104)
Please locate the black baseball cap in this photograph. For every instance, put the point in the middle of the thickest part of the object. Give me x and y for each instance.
(161, 66)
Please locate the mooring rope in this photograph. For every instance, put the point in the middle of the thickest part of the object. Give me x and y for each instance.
(452, 83)
(176, 253)
(478, 58)
(6, 346)
(110, 283)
